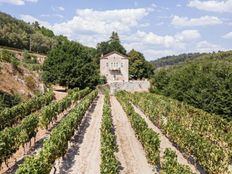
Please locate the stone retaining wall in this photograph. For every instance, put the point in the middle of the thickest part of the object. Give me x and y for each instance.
(130, 86)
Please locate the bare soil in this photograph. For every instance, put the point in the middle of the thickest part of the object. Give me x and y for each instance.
(60, 95)
(83, 156)
(165, 143)
(130, 152)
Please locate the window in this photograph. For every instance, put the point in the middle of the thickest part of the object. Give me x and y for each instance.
(107, 64)
(121, 64)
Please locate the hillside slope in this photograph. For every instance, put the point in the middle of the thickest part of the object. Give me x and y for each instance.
(205, 83)
(16, 33)
(183, 58)
(19, 80)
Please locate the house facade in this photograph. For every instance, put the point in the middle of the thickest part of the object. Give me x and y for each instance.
(115, 67)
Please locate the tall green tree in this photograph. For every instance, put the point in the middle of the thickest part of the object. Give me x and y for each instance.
(70, 64)
(114, 44)
(139, 68)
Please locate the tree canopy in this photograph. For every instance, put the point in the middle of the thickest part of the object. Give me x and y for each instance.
(19, 34)
(139, 68)
(114, 44)
(205, 83)
(71, 64)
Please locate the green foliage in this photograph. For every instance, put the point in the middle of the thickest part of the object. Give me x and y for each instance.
(8, 100)
(28, 58)
(174, 60)
(102, 80)
(148, 138)
(49, 113)
(205, 83)
(12, 138)
(30, 82)
(70, 64)
(55, 146)
(112, 45)
(41, 43)
(6, 56)
(19, 34)
(109, 163)
(10, 116)
(139, 68)
(170, 164)
(205, 137)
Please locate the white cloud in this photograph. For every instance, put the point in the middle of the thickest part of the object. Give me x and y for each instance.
(205, 46)
(177, 40)
(202, 21)
(178, 5)
(228, 35)
(61, 8)
(212, 5)
(17, 2)
(102, 22)
(31, 19)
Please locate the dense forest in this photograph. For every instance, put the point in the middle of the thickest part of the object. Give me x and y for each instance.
(19, 34)
(205, 83)
(175, 59)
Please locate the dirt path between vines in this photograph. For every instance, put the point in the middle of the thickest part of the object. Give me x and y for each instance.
(165, 143)
(131, 154)
(83, 157)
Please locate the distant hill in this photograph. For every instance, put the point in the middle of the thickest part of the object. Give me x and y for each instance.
(175, 59)
(204, 82)
(19, 34)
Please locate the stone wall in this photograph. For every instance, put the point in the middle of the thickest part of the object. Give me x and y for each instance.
(130, 86)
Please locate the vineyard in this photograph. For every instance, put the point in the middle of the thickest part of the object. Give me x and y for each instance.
(90, 131)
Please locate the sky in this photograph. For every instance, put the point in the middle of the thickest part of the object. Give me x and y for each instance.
(156, 28)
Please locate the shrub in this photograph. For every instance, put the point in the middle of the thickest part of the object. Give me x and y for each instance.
(30, 82)
(6, 56)
(29, 58)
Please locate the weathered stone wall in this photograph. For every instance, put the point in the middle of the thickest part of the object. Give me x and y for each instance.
(130, 86)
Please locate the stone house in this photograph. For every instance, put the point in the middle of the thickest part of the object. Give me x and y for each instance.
(114, 66)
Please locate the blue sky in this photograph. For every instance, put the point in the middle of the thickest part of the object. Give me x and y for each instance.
(154, 27)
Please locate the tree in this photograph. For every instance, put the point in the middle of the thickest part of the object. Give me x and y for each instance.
(70, 64)
(138, 67)
(205, 83)
(113, 44)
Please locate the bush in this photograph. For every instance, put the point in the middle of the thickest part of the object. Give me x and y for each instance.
(102, 80)
(7, 56)
(8, 100)
(30, 82)
(28, 58)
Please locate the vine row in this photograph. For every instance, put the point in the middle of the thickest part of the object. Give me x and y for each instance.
(12, 138)
(170, 164)
(11, 116)
(109, 163)
(148, 138)
(57, 144)
(167, 115)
